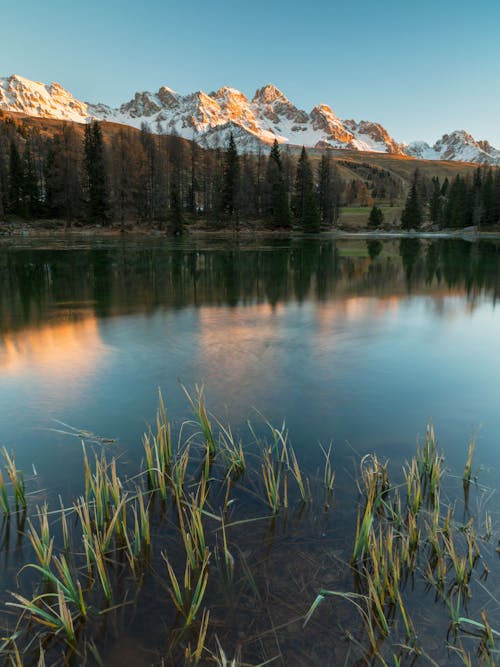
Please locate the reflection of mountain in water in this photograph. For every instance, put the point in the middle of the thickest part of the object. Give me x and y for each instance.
(55, 347)
(37, 286)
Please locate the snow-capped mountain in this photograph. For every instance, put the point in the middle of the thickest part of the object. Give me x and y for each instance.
(458, 146)
(206, 118)
(209, 118)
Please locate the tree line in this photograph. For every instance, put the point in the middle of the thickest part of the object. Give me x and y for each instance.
(466, 201)
(105, 176)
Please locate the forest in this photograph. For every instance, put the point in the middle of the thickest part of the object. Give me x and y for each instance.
(111, 175)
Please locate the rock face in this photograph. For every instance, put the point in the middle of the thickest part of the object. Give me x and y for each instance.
(209, 118)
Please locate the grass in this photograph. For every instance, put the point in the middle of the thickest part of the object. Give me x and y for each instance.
(184, 509)
(356, 217)
(16, 478)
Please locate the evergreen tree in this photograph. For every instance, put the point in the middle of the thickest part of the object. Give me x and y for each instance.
(411, 217)
(16, 180)
(445, 187)
(435, 205)
(374, 248)
(487, 202)
(376, 217)
(304, 200)
(327, 194)
(277, 208)
(496, 196)
(95, 172)
(63, 188)
(30, 184)
(231, 182)
(458, 209)
(176, 211)
(2, 183)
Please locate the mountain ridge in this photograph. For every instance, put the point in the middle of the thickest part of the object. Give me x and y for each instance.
(209, 118)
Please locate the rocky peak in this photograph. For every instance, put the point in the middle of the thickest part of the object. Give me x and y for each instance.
(143, 104)
(374, 134)
(268, 95)
(323, 119)
(227, 94)
(168, 97)
(270, 104)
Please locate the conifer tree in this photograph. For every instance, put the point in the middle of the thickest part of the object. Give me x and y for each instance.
(435, 205)
(16, 178)
(231, 182)
(487, 215)
(30, 184)
(304, 201)
(376, 217)
(458, 210)
(277, 206)
(176, 211)
(303, 183)
(411, 217)
(327, 195)
(63, 188)
(95, 171)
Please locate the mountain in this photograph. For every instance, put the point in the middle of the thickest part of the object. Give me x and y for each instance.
(210, 118)
(458, 146)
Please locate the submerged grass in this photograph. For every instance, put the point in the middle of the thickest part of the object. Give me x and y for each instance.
(182, 511)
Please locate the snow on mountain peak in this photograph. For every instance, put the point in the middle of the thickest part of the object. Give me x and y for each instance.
(36, 99)
(210, 118)
(458, 146)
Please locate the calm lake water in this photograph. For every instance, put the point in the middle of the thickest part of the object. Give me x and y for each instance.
(351, 341)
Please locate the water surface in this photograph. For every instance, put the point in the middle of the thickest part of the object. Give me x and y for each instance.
(359, 342)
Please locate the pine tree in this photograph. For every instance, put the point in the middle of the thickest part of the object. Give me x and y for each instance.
(31, 197)
(458, 210)
(231, 180)
(376, 217)
(327, 195)
(436, 206)
(277, 208)
(304, 201)
(16, 181)
(411, 217)
(487, 216)
(176, 212)
(63, 188)
(95, 171)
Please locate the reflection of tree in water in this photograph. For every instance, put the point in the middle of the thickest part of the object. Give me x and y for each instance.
(102, 274)
(121, 278)
(304, 264)
(328, 270)
(276, 273)
(374, 248)
(456, 262)
(409, 250)
(432, 268)
(487, 266)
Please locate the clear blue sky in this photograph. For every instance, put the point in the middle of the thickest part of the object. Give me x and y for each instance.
(419, 68)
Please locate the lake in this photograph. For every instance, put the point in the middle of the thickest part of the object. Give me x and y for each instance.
(359, 343)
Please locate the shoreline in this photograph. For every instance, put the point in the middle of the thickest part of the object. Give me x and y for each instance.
(24, 231)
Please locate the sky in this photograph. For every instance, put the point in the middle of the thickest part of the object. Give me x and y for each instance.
(420, 68)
